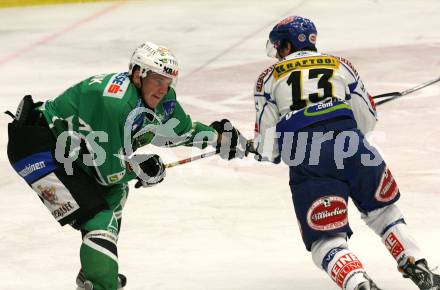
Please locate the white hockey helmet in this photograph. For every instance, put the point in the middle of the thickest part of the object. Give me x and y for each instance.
(156, 58)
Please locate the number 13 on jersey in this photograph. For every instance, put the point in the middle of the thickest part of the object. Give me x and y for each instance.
(322, 77)
(310, 80)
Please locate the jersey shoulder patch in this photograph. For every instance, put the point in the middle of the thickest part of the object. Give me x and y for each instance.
(168, 108)
(117, 86)
(261, 79)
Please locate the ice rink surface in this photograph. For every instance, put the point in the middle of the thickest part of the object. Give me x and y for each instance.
(212, 224)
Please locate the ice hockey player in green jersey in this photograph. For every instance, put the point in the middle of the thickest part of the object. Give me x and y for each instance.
(76, 151)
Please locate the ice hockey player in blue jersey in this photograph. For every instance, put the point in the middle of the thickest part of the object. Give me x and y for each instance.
(312, 112)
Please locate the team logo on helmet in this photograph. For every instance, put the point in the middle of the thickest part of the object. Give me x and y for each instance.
(312, 38)
(328, 213)
(286, 20)
(163, 51)
(301, 37)
(170, 71)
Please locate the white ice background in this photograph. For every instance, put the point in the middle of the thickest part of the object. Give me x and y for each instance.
(213, 224)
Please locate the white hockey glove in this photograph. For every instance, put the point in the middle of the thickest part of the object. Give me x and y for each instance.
(149, 169)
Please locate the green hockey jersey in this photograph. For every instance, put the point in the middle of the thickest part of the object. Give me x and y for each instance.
(105, 113)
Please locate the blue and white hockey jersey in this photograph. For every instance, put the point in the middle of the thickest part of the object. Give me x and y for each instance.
(304, 88)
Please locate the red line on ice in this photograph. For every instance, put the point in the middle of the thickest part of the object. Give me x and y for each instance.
(59, 33)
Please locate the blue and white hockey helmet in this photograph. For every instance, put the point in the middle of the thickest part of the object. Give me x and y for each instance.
(156, 58)
(299, 31)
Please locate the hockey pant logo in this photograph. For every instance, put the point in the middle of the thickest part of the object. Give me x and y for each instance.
(55, 196)
(328, 213)
(38, 171)
(387, 189)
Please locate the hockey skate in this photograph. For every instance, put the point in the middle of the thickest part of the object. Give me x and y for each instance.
(420, 274)
(367, 285)
(83, 284)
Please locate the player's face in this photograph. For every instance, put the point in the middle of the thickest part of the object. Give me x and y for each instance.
(154, 88)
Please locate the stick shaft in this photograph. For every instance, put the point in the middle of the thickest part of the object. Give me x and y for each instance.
(191, 159)
(408, 91)
(421, 86)
(249, 149)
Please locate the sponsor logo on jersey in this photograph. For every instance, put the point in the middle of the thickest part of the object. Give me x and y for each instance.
(347, 63)
(324, 108)
(393, 245)
(345, 267)
(115, 177)
(117, 85)
(287, 66)
(260, 81)
(168, 108)
(31, 168)
(387, 189)
(328, 213)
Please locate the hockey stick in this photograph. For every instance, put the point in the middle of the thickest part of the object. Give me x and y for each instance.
(395, 95)
(191, 159)
(249, 149)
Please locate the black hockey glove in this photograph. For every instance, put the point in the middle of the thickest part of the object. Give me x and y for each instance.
(149, 169)
(230, 143)
(26, 113)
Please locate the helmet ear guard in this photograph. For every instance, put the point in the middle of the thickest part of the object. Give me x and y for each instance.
(155, 58)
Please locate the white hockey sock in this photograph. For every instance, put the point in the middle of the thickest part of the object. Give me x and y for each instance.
(400, 244)
(333, 256)
(389, 224)
(346, 270)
